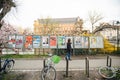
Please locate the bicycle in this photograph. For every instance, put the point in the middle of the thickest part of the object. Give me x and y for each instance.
(49, 72)
(109, 72)
(7, 65)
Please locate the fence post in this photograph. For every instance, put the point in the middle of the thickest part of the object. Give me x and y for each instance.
(87, 66)
(67, 65)
(43, 63)
(110, 62)
(107, 60)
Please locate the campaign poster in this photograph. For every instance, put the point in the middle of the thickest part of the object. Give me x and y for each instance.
(93, 42)
(85, 42)
(53, 42)
(45, 41)
(78, 41)
(36, 41)
(11, 41)
(71, 38)
(19, 41)
(100, 43)
(28, 41)
(61, 42)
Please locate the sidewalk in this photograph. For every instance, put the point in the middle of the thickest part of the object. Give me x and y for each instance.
(77, 63)
(30, 69)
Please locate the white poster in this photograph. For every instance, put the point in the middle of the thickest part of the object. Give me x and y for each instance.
(45, 41)
(78, 41)
(100, 43)
(93, 42)
(85, 42)
(11, 41)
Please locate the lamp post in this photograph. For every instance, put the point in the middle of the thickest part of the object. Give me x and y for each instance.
(118, 37)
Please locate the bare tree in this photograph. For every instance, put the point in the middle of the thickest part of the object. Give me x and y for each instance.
(48, 26)
(78, 26)
(94, 17)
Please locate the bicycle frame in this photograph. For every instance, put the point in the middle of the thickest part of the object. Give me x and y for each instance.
(46, 71)
(5, 62)
(49, 62)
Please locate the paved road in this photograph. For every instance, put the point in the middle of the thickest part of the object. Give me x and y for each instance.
(37, 64)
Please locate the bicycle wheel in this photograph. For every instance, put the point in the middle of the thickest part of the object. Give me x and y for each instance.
(48, 73)
(9, 66)
(107, 72)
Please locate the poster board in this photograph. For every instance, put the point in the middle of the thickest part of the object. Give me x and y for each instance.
(71, 38)
(53, 42)
(61, 41)
(100, 43)
(28, 41)
(85, 42)
(11, 41)
(45, 41)
(93, 41)
(19, 41)
(36, 41)
(78, 41)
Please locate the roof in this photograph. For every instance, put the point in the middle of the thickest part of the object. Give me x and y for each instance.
(63, 20)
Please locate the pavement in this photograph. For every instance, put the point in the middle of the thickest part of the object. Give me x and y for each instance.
(77, 63)
(30, 69)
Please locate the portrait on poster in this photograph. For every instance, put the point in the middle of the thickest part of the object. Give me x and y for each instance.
(78, 41)
(93, 42)
(36, 41)
(45, 41)
(11, 41)
(61, 41)
(53, 42)
(28, 41)
(19, 41)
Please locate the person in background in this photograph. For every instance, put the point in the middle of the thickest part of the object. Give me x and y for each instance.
(68, 56)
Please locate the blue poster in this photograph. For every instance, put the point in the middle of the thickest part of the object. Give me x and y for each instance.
(36, 41)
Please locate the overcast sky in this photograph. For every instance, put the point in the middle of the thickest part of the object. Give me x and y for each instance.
(30, 10)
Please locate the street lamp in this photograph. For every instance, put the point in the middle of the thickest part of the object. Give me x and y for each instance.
(118, 37)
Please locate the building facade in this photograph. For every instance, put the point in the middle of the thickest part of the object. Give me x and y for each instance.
(58, 26)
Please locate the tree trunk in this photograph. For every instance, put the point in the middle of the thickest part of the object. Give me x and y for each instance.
(0, 25)
(0, 57)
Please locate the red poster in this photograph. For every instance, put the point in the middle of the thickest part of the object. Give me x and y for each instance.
(53, 41)
(28, 42)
